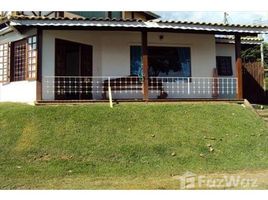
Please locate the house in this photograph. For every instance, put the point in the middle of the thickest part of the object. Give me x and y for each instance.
(63, 56)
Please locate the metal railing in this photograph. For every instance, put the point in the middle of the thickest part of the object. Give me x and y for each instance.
(130, 87)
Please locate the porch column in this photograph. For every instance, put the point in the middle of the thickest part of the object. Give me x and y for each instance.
(39, 65)
(239, 67)
(144, 64)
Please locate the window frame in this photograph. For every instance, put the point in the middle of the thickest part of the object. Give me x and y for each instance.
(5, 57)
(31, 51)
(19, 42)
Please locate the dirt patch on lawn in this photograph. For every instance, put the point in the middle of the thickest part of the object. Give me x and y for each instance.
(29, 135)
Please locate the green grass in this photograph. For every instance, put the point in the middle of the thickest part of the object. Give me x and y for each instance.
(129, 146)
(266, 82)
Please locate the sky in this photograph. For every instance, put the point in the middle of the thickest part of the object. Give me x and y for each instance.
(242, 17)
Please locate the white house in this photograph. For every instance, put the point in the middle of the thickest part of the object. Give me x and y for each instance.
(63, 56)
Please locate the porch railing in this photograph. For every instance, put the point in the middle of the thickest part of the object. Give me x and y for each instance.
(130, 87)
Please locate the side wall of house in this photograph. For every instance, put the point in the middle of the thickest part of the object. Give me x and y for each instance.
(111, 51)
(18, 91)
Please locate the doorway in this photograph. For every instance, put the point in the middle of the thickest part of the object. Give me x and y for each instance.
(73, 62)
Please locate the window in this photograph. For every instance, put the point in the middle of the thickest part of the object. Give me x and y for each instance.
(224, 65)
(25, 59)
(4, 62)
(32, 57)
(162, 61)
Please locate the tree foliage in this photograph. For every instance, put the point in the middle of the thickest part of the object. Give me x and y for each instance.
(253, 54)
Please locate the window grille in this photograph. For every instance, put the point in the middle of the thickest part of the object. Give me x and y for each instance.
(4, 62)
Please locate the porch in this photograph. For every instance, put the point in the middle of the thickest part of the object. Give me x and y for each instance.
(141, 66)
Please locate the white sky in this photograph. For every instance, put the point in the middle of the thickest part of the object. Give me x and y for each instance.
(242, 17)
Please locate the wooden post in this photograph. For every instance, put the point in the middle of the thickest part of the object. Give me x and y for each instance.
(39, 65)
(215, 93)
(239, 73)
(145, 64)
(262, 56)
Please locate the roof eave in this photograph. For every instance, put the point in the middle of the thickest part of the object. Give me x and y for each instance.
(134, 25)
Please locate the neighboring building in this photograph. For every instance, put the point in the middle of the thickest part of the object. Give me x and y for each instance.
(47, 56)
(87, 14)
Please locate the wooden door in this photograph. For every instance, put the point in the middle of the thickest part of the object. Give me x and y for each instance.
(73, 61)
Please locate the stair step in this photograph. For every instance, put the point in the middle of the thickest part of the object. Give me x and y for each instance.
(263, 113)
(264, 116)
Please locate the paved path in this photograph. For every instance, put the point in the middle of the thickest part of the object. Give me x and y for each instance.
(263, 114)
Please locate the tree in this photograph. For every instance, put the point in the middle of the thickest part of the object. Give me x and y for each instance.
(251, 53)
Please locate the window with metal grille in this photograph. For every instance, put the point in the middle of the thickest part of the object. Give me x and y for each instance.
(224, 65)
(20, 58)
(24, 54)
(31, 59)
(4, 62)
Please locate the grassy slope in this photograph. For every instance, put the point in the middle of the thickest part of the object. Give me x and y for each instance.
(97, 147)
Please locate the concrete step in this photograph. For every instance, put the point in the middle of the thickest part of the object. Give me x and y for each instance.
(263, 112)
(263, 115)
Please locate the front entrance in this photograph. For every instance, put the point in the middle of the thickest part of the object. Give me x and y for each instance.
(73, 61)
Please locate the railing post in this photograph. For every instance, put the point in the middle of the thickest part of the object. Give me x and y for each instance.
(188, 85)
(110, 93)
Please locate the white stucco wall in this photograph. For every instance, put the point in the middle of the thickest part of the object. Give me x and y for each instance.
(111, 51)
(18, 91)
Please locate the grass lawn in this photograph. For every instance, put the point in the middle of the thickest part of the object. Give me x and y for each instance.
(129, 146)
